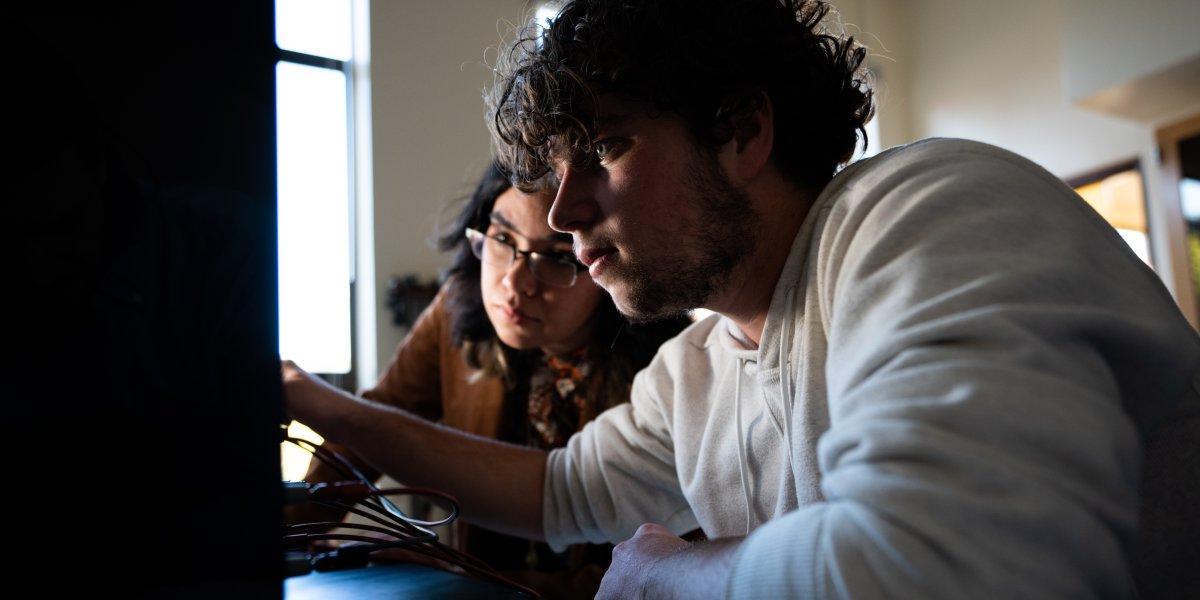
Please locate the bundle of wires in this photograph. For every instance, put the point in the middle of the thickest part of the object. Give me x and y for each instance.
(360, 496)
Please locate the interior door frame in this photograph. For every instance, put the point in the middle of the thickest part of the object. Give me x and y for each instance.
(1169, 174)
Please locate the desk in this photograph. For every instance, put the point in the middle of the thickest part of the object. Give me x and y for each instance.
(392, 581)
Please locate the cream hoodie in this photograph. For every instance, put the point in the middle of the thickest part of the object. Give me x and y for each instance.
(957, 362)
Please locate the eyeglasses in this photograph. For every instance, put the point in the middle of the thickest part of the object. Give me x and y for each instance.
(558, 269)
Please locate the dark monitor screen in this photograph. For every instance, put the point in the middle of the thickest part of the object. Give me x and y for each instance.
(142, 419)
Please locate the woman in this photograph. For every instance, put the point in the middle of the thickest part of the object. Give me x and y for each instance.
(519, 345)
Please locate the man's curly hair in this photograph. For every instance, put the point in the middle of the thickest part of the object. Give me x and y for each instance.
(704, 60)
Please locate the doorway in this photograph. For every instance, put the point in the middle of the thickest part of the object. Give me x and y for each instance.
(1179, 146)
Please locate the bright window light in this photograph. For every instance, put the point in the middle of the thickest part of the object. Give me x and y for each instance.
(314, 217)
(296, 459)
(1189, 192)
(545, 14)
(873, 145)
(873, 142)
(317, 27)
(1138, 242)
(1120, 199)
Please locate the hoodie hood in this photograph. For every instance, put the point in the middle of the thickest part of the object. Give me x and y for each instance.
(775, 358)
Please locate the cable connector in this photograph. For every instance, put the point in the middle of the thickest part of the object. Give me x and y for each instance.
(344, 491)
(296, 564)
(295, 492)
(299, 492)
(347, 557)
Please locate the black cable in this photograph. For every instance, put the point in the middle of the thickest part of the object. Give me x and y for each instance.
(400, 525)
(368, 512)
(329, 458)
(348, 508)
(340, 525)
(382, 505)
(450, 500)
(301, 538)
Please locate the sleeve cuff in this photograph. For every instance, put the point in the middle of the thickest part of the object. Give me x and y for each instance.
(552, 529)
(779, 560)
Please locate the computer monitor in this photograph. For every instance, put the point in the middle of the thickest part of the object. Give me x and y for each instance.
(142, 423)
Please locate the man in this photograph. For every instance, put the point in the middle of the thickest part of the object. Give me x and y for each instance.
(931, 374)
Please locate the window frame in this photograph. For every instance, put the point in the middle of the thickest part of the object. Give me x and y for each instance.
(345, 381)
(1105, 172)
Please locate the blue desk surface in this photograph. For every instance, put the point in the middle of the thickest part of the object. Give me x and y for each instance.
(392, 581)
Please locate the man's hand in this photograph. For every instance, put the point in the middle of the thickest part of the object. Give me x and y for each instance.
(304, 396)
(290, 371)
(634, 561)
(498, 485)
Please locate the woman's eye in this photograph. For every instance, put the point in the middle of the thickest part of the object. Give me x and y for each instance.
(502, 237)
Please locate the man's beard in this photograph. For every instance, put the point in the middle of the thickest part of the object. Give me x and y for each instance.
(706, 251)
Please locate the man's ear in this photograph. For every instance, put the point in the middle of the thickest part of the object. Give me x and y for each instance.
(750, 123)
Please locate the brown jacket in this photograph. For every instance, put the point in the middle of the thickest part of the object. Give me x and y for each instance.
(428, 377)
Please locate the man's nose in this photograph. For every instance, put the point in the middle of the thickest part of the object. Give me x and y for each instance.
(574, 207)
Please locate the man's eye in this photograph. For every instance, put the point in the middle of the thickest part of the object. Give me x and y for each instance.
(502, 237)
(604, 150)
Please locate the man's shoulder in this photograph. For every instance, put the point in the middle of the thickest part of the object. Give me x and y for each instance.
(955, 174)
(686, 352)
(685, 367)
(696, 337)
(928, 147)
(933, 157)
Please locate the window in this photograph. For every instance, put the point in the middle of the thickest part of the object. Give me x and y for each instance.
(315, 188)
(1178, 208)
(1118, 194)
(873, 143)
(546, 13)
(316, 204)
(1189, 198)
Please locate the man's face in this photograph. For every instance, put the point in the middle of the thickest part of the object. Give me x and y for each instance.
(657, 223)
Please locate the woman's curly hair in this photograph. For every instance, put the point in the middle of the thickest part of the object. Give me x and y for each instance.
(705, 60)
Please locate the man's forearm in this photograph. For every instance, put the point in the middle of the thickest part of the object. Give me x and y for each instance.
(700, 571)
(656, 563)
(498, 485)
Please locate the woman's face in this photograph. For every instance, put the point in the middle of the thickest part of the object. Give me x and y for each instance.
(525, 311)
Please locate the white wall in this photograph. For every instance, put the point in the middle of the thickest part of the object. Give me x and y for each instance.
(996, 71)
(992, 71)
(428, 69)
(882, 26)
(1108, 44)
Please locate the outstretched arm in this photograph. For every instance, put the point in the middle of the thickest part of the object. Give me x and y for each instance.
(654, 563)
(498, 485)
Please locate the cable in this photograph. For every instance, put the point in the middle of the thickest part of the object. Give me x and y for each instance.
(303, 538)
(410, 533)
(342, 506)
(339, 525)
(451, 500)
(345, 468)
